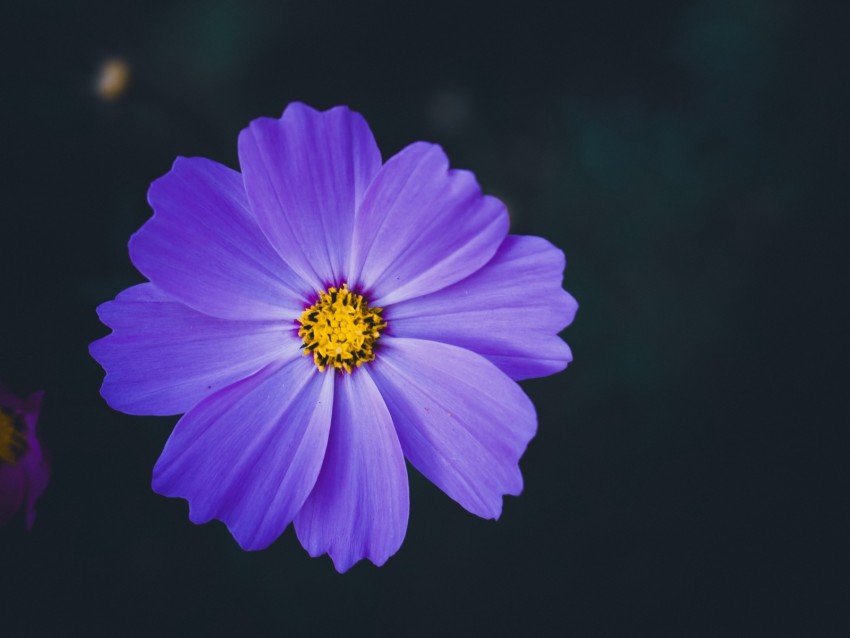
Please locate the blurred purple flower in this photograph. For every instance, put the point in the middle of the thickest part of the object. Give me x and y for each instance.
(417, 311)
(24, 471)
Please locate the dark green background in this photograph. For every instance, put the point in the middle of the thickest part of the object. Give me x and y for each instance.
(691, 160)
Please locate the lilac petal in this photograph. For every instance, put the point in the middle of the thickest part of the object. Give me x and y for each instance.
(13, 487)
(305, 175)
(203, 247)
(249, 454)
(163, 357)
(510, 311)
(359, 506)
(422, 227)
(35, 464)
(144, 292)
(461, 421)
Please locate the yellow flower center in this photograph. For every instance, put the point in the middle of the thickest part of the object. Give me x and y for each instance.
(13, 441)
(340, 330)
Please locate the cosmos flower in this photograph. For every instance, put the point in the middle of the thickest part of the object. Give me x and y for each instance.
(319, 318)
(24, 472)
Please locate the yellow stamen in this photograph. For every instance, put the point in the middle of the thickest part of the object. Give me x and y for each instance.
(340, 330)
(13, 441)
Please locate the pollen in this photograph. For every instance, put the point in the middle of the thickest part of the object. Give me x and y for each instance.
(340, 330)
(13, 441)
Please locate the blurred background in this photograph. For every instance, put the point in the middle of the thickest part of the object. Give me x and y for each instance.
(691, 160)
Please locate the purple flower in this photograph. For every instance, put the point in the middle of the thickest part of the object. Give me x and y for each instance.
(24, 471)
(416, 311)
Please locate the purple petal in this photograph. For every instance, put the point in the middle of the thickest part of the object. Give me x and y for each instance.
(359, 506)
(422, 227)
(163, 357)
(510, 311)
(35, 464)
(13, 487)
(305, 175)
(249, 454)
(26, 480)
(203, 247)
(461, 421)
(144, 292)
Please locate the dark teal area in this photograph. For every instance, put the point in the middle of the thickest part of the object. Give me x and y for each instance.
(690, 158)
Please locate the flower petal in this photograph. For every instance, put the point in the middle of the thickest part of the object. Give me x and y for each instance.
(35, 464)
(203, 247)
(510, 311)
(13, 487)
(359, 507)
(460, 420)
(422, 227)
(163, 357)
(305, 175)
(25, 480)
(249, 454)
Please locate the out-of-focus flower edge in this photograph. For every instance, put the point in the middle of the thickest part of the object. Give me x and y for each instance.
(22, 483)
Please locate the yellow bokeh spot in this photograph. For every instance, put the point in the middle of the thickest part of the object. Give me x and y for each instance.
(340, 330)
(13, 441)
(113, 78)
